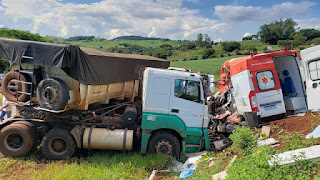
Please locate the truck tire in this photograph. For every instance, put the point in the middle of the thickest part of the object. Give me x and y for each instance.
(251, 119)
(164, 143)
(10, 86)
(58, 144)
(53, 94)
(16, 140)
(33, 130)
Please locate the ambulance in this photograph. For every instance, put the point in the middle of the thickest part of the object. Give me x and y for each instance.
(272, 85)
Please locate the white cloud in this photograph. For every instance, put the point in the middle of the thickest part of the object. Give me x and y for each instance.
(241, 19)
(308, 23)
(161, 18)
(109, 18)
(261, 14)
(246, 34)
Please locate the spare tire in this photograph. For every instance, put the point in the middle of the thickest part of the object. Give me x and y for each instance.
(10, 86)
(53, 94)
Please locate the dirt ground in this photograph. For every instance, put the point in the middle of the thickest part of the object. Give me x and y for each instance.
(299, 124)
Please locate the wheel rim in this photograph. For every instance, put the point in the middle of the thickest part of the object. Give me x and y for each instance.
(13, 142)
(13, 86)
(49, 94)
(164, 147)
(58, 146)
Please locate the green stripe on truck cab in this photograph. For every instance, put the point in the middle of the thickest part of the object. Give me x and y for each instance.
(155, 121)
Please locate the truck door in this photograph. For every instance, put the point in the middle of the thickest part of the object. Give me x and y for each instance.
(312, 70)
(311, 67)
(186, 102)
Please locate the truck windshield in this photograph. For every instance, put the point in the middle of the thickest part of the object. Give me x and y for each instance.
(189, 90)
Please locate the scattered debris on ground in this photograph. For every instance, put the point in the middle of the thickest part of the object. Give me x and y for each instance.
(223, 175)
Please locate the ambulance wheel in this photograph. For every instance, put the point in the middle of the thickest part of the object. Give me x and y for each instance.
(10, 86)
(164, 143)
(251, 119)
(53, 94)
(16, 140)
(58, 144)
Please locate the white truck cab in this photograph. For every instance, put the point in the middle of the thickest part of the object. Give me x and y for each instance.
(174, 101)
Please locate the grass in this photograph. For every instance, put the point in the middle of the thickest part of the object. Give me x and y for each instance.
(151, 43)
(102, 165)
(94, 44)
(211, 66)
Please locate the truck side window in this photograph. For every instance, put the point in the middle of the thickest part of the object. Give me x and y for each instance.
(189, 90)
(265, 80)
(314, 70)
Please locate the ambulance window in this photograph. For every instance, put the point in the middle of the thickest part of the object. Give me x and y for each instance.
(189, 90)
(314, 70)
(265, 80)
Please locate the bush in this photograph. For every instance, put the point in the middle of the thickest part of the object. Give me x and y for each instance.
(194, 58)
(231, 46)
(316, 41)
(283, 43)
(208, 53)
(243, 138)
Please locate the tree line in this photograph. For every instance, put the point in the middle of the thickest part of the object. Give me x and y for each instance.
(285, 33)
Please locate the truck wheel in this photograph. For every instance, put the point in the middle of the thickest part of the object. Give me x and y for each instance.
(32, 128)
(251, 119)
(53, 94)
(16, 140)
(164, 143)
(10, 86)
(58, 144)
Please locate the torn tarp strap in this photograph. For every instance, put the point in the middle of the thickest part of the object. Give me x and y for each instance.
(87, 65)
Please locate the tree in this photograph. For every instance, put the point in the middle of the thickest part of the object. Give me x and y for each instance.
(231, 46)
(199, 39)
(207, 39)
(316, 41)
(299, 39)
(277, 30)
(309, 33)
(252, 37)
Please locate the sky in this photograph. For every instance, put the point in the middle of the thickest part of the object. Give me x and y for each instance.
(222, 20)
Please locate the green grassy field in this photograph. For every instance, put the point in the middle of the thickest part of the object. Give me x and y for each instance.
(211, 66)
(150, 43)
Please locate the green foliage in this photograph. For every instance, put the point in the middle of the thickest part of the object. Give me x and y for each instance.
(256, 166)
(295, 141)
(4, 66)
(249, 38)
(309, 33)
(138, 38)
(249, 47)
(103, 165)
(80, 38)
(299, 39)
(161, 53)
(208, 53)
(24, 35)
(316, 41)
(231, 46)
(277, 30)
(283, 43)
(244, 139)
